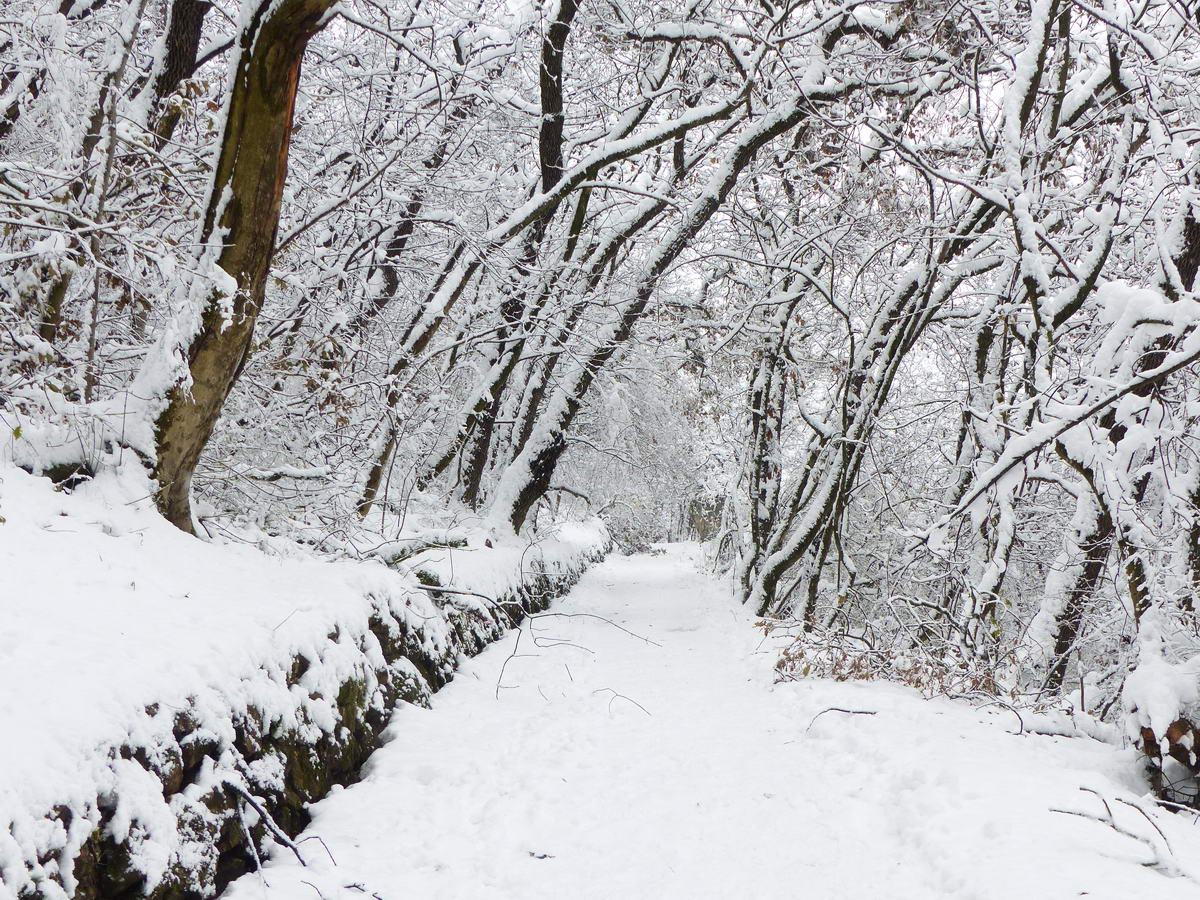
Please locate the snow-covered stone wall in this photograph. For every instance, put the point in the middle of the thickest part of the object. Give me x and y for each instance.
(171, 706)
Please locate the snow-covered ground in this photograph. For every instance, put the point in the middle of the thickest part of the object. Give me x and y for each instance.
(112, 622)
(631, 744)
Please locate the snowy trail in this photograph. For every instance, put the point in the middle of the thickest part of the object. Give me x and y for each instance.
(611, 766)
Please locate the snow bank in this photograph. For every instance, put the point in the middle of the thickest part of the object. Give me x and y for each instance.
(163, 696)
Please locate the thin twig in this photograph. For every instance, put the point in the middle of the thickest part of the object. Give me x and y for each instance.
(849, 712)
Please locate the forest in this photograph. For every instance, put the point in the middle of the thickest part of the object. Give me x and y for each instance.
(888, 306)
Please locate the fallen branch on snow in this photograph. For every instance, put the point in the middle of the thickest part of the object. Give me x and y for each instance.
(849, 712)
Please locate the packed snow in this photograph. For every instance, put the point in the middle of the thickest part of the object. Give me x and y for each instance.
(632, 742)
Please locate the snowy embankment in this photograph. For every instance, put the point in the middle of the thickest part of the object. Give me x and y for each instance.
(161, 695)
(633, 744)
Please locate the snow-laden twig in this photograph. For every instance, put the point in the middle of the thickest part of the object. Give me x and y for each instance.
(1162, 857)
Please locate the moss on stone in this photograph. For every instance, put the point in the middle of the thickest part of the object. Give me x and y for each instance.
(215, 825)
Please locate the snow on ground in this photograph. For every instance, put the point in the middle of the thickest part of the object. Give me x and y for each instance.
(653, 758)
(111, 621)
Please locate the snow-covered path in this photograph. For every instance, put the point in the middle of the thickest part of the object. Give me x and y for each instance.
(656, 760)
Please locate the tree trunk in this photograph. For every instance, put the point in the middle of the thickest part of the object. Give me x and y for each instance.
(464, 261)
(528, 477)
(515, 305)
(1097, 519)
(1060, 619)
(184, 29)
(243, 209)
(830, 469)
(762, 467)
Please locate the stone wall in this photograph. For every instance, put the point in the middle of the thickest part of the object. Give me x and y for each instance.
(231, 790)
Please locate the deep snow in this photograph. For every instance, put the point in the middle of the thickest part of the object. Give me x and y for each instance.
(654, 758)
(112, 621)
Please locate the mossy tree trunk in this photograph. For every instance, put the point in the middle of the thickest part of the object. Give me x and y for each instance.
(242, 212)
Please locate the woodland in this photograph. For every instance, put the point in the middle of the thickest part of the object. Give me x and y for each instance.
(892, 305)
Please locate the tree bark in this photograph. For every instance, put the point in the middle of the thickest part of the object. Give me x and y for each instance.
(184, 30)
(527, 479)
(1094, 535)
(515, 305)
(243, 209)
